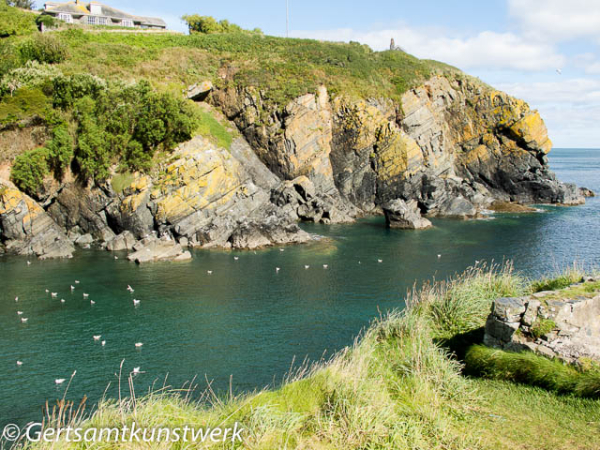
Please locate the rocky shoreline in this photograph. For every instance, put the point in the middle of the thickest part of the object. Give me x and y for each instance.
(453, 149)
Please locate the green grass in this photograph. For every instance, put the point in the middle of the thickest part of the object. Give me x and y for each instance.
(121, 180)
(215, 131)
(529, 368)
(571, 275)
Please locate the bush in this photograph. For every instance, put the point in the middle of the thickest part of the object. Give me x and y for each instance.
(32, 75)
(60, 150)
(208, 25)
(68, 89)
(29, 170)
(43, 48)
(46, 20)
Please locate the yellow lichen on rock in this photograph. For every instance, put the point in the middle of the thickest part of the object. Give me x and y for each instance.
(532, 130)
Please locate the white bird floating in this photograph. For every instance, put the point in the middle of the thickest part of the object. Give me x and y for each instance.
(76, 281)
(86, 296)
(16, 299)
(92, 302)
(380, 261)
(47, 291)
(97, 338)
(130, 289)
(282, 249)
(359, 262)
(20, 313)
(116, 257)
(139, 344)
(136, 370)
(19, 363)
(72, 288)
(325, 266)
(103, 343)
(277, 269)
(59, 380)
(236, 258)
(307, 267)
(62, 300)
(439, 256)
(54, 294)
(28, 263)
(136, 302)
(210, 272)
(24, 319)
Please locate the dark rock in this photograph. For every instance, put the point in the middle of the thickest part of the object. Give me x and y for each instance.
(586, 192)
(405, 215)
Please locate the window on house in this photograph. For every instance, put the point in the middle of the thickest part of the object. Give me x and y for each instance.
(102, 20)
(92, 20)
(127, 23)
(65, 17)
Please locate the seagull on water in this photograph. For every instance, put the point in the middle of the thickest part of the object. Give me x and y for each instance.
(325, 266)
(72, 288)
(277, 269)
(307, 267)
(28, 263)
(24, 319)
(136, 302)
(103, 343)
(76, 281)
(380, 261)
(54, 294)
(236, 258)
(62, 300)
(86, 296)
(439, 256)
(139, 345)
(19, 363)
(92, 302)
(16, 299)
(47, 291)
(59, 380)
(130, 289)
(116, 257)
(282, 249)
(97, 338)
(209, 272)
(136, 370)
(20, 313)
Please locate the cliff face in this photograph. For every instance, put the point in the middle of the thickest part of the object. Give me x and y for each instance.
(453, 148)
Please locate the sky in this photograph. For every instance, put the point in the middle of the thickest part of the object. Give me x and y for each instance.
(544, 51)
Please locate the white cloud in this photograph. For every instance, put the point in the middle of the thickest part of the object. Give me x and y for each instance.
(489, 50)
(557, 19)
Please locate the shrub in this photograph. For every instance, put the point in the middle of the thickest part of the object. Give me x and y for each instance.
(43, 48)
(46, 20)
(208, 25)
(68, 89)
(29, 170)
(25, 103)
(60, 150)
(32, 75)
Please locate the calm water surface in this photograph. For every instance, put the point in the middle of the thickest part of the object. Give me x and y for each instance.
(245, 320)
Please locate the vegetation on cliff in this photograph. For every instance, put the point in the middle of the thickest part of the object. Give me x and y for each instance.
(399, 386)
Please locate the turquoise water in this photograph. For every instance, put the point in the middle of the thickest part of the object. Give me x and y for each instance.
(246, 320)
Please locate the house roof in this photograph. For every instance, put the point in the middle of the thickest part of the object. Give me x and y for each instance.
(107, 11)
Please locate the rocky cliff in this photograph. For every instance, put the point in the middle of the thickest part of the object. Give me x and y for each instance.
(452, 148)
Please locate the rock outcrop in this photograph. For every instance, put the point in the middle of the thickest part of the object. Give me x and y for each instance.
(452, 148)
(403, 215)
(555, 324)
(154, 250)
(27, 229)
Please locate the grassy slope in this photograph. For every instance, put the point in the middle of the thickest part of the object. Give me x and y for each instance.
(393, 389)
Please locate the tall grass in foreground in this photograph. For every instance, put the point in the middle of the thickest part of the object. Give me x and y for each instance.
(395, 388)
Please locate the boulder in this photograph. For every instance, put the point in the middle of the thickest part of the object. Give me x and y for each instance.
(159, 250)
(405, 215)
(124, 241)
(199, 92)
(84, 240)
(586, 192)
(559, 324)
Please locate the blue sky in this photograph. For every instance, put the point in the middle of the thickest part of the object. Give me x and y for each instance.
(544, 51)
